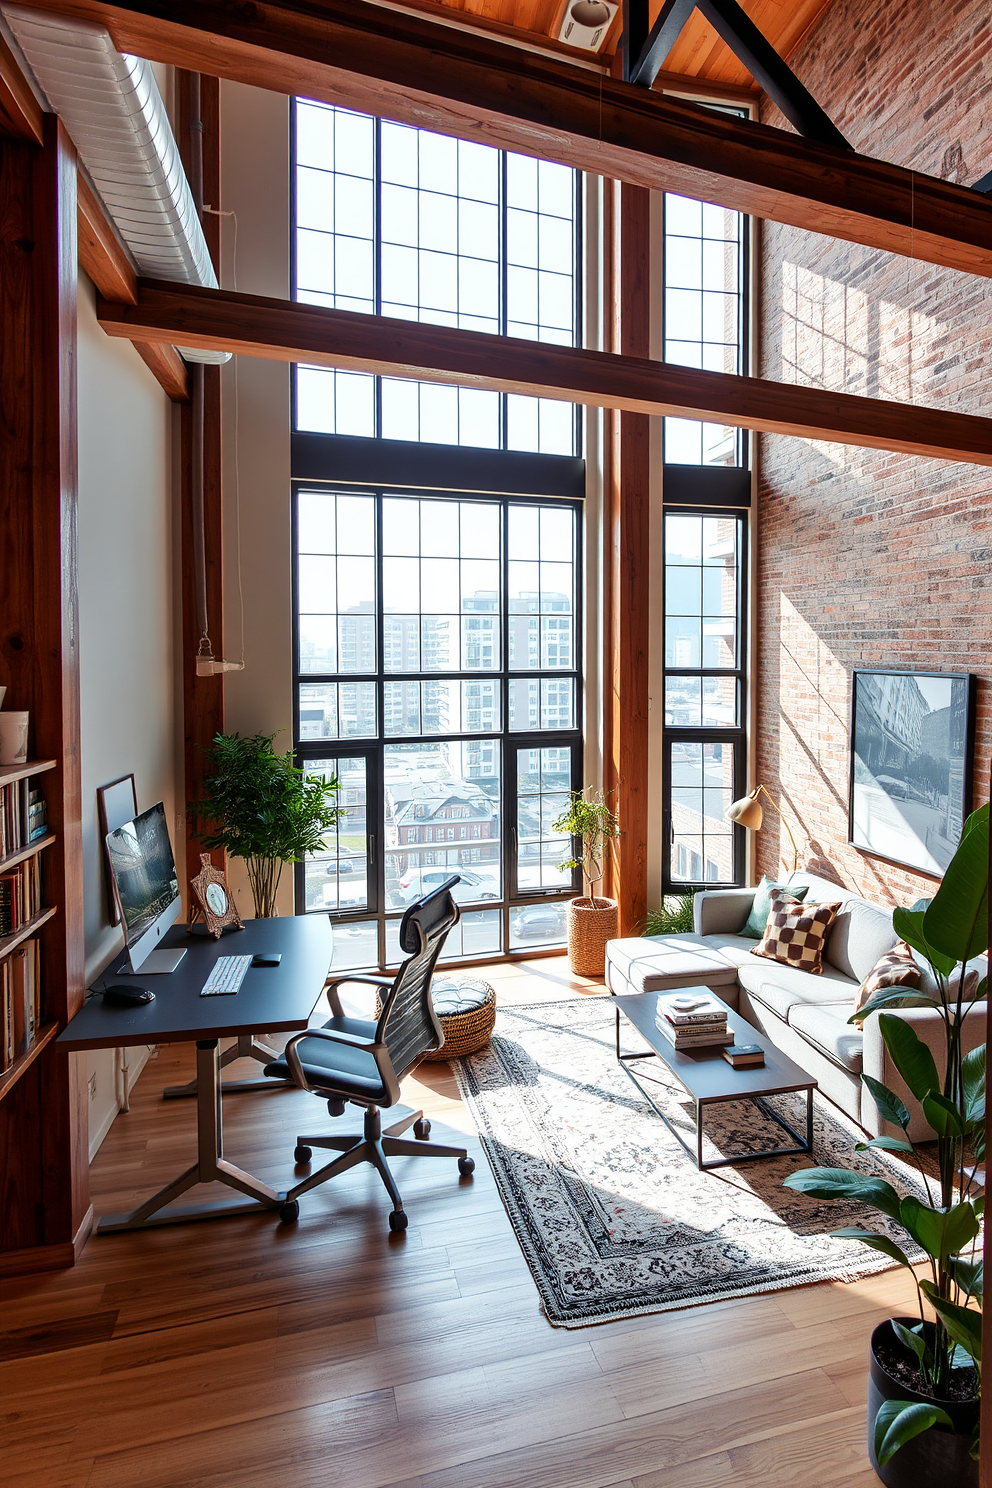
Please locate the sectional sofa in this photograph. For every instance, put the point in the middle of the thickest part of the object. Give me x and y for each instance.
(806, 1016)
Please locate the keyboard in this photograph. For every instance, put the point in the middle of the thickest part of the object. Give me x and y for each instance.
(226, 976)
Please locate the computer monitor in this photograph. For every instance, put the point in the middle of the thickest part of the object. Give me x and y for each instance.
(147, 889)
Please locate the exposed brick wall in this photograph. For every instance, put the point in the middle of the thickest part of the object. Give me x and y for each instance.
(870, 559)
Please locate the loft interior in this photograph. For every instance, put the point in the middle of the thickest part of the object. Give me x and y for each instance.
(488, 490)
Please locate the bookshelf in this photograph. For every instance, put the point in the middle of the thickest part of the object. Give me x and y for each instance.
(46, 1030)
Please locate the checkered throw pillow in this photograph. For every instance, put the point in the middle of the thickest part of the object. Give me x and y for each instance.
(897, 968)
(796, 933)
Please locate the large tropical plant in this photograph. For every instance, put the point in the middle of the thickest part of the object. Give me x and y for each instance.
(948, 931)
(594, 823)
(260, 807)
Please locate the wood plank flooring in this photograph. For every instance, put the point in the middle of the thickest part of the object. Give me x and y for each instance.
(240, 1352)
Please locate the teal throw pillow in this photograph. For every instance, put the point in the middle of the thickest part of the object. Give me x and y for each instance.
(758, 918)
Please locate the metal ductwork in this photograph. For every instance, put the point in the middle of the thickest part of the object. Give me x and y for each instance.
(111, 105)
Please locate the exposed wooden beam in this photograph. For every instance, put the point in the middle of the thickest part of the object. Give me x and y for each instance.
(408, 68)
(282, 330)
(21, 115)
(112, 269)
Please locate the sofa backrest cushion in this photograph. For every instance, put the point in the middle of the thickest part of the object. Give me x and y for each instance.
(859, 936)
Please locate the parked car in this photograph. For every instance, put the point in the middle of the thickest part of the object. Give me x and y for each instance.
(417, 882)
(539, 922)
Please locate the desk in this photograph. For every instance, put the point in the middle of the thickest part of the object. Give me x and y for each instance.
(279, 998)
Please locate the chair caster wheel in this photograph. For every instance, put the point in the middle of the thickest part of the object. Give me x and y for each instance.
(336, 1107)
(466, 1165)
(289, 1212)
(302, 1154)
(398, 1221)
(421, 1130)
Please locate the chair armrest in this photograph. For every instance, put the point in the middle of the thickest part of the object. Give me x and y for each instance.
(333, 983)
(721, 911)
(352, 1040)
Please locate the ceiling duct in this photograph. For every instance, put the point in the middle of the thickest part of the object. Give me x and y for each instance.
(111, 105)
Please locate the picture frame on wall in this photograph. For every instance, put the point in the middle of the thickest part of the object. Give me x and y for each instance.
(116, 804)
(912, 748)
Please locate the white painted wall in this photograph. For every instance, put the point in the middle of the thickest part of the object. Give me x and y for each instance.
(255, 181)
(126, 628)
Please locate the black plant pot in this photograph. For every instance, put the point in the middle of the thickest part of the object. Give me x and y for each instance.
(938, 1458)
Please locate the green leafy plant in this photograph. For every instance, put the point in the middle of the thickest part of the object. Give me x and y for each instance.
(675, 917)
(593, 822)
(261, 808)
(947, 931)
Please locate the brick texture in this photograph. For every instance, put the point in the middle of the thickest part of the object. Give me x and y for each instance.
(870, 559)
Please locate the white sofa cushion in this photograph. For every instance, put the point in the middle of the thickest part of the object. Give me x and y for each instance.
(782, 987)
(860, 934)
(828, 1030)
(653, 963)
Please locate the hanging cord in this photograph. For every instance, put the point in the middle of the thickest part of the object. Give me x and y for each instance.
(215, 212)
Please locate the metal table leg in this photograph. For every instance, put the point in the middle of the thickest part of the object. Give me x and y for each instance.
(245, 1046)
(210, 1166)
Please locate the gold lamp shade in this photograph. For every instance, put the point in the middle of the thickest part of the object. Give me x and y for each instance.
(747, 812)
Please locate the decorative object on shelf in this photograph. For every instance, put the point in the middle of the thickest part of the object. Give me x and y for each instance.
(116, 804)
(748, 812)
(262, 808)
(912, 746)
(13, 738)
(213, 902)
(675, 917)
(591, 920)
(925, 1378)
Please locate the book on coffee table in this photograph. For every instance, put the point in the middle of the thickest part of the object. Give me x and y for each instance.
(696, 1037)
(743, 1056)
(683, 1010)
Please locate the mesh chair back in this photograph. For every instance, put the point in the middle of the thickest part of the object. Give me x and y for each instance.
(407, 1024)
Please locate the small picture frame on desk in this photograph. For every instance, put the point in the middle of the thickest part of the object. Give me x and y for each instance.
(212, 901)
(116, 804)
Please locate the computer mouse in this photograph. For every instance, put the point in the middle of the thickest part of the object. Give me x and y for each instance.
(123, 995)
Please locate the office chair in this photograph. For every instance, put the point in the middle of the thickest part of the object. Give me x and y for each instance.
(351, 1059)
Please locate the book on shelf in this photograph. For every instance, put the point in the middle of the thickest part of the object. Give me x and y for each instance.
(683, 1009)
(20, 1002)
(23, 816)
(20, 896)
(37, 817)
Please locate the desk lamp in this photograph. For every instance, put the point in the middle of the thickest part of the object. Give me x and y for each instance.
(747, 812)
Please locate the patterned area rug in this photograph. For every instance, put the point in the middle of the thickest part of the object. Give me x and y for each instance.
(613, 1216)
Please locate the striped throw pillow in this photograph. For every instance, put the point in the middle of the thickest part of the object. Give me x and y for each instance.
(796, 934)
(896, 968)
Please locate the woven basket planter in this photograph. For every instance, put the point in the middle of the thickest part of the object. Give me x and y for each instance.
(591, 923)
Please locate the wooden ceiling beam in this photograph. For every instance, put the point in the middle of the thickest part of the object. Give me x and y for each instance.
(283, 330)
(404, 67)
(21, 115)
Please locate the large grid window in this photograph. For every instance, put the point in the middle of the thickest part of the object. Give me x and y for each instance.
(397, 221)
(704, 685)
(437, 675)
(704, 321)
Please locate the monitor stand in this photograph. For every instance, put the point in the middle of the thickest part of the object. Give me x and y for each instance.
(160, 962)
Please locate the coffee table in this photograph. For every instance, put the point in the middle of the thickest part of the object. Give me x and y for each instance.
(710, 1080)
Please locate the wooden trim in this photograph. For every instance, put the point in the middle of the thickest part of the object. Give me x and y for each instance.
(167, 366)
(21, 114)
(283, 330)
(408, 68)
(23, 1062)
(101, 252)
(30, 851)
(30, 927)
(9, 773)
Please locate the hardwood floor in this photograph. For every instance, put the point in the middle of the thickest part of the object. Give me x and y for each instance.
(243, 1352)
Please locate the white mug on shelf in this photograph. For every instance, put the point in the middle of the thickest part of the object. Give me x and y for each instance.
(13, 738)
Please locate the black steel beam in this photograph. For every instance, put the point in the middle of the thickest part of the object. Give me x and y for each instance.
(758, 55)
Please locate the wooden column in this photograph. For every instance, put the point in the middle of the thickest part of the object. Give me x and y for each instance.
(628, 544)
(44, 1157)
(202, 523)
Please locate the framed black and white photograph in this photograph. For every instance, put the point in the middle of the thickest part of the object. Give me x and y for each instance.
(911, 753)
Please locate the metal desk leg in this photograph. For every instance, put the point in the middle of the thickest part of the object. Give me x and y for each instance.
(245, 1046)
(210, 1166)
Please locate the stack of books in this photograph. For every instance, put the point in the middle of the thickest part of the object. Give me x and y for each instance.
(693, 1020)
(20, 1003)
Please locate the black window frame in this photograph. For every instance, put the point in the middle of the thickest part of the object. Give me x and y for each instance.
(735, 735)
(508, 741)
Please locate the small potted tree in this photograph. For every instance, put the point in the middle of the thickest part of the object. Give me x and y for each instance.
(262, 808)
(591, 919)
(925, 1371)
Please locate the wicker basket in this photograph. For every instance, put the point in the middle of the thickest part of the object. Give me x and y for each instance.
(467, 1031)
(591, 923)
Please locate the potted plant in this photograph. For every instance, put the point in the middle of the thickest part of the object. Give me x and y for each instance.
(676, 916)
(591, 919)
(261, 808)
(925, 1372)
